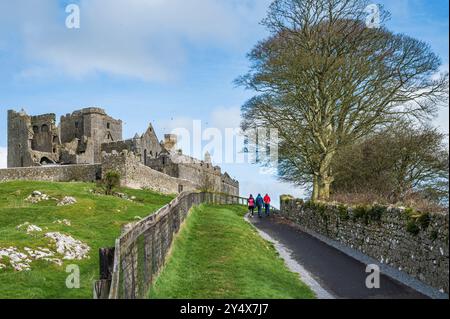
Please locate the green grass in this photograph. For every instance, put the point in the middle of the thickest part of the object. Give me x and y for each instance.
(219, 255)
(96, 220)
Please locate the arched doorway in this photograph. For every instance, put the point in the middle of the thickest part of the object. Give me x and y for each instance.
(46, 161)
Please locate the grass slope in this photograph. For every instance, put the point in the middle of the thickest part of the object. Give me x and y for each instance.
(95, 219)
(219, 255)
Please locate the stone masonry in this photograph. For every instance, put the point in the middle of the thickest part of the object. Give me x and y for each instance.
(88, 136)
(386, 234)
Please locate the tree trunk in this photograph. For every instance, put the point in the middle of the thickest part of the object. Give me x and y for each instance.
(325, 177)
(315, 193)
(324, 192)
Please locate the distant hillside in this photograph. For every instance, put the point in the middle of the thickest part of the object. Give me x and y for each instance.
(39, 238)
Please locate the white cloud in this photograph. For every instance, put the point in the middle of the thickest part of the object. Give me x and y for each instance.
(146, 39)
(216, 122)
(226, 117)
(3, 157)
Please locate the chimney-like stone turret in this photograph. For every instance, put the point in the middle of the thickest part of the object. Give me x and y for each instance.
(170, 141)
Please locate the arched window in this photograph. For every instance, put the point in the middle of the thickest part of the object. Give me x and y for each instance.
(44, 128)
(35, 129)
(145, 157)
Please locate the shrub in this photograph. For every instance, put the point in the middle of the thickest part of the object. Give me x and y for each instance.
(110, 181)
(343, 212)
(361, 212)
(412, 227)
(376, 212)
(424, 220)
(286, 198)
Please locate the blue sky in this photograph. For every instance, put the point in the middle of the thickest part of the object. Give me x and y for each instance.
(162, 61)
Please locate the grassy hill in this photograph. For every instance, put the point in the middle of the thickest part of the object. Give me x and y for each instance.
(95, 220)
(219, 255)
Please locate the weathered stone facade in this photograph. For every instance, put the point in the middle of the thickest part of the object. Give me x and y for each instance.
(86, 136)
(199, 172)
(383, 233)
(146, 146)
(37, 140)
(90, 127)
(32, 140)
(134, 174)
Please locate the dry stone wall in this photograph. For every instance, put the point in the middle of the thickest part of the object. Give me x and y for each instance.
(57, 173)
(401, 238)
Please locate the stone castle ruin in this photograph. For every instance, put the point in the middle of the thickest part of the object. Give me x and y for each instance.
(89, 142)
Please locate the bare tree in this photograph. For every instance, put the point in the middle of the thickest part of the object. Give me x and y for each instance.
(324, 80)
(395, 163)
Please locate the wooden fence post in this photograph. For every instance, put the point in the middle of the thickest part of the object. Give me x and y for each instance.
(102, 286)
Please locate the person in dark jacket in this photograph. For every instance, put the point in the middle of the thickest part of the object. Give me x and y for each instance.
(267, 204)
(251, 205)
(259, 204)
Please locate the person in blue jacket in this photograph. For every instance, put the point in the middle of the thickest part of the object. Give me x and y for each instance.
(259, 204)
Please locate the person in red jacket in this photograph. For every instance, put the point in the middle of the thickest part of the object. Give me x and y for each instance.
(251, 205)
(267, 204)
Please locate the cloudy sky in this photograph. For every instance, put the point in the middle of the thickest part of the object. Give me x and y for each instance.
(167, 62)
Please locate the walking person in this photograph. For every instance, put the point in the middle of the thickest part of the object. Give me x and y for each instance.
(251, 205)
(259, 205)
(267, 204)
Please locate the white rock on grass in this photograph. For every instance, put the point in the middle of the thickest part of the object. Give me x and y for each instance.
(36, 197)
(44, 254)
(30, 228)
(69, 247)
(19, 261)
(63, 222)
(68, 200)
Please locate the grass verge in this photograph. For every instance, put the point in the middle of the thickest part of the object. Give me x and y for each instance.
(218, 255)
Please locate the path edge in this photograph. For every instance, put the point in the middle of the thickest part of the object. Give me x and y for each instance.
(293, 265)
(387, 270)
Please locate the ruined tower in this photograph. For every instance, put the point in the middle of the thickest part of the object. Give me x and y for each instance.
(91, 127)
(37, 140)
(32, 140)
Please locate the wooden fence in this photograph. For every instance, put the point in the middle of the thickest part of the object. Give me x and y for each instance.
(128, 270)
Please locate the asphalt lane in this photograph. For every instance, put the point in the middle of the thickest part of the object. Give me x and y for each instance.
(341, 275)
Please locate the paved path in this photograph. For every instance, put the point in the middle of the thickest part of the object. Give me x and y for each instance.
(339, 274)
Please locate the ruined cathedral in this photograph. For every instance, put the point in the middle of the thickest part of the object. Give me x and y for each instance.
(90, 141)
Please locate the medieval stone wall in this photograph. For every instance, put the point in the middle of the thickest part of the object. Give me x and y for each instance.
(412, 242)
(136, 175)
(66, 173)
(119, 146)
